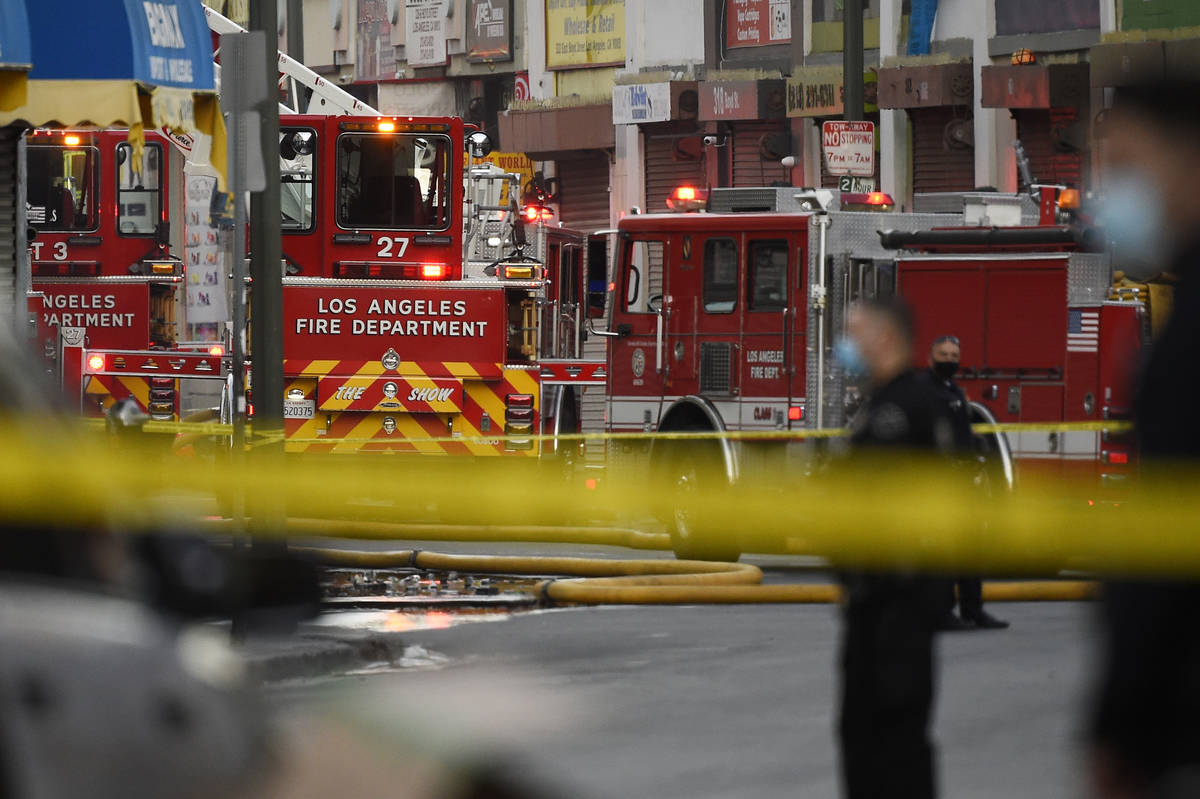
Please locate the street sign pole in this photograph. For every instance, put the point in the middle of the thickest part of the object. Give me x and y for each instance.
(852, 59)
(266, 329)
(240, 53)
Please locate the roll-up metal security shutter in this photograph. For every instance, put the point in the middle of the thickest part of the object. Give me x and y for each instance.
(583, 192)
(9, 138)
(750, 141)
(942, 157)
(829, 181)
(674, 157)
(1043, 134)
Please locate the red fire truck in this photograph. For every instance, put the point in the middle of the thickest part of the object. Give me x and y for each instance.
(410, 325)
(102, 265)
(725, 321)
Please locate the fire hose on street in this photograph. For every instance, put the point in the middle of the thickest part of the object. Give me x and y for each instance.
(603, 581)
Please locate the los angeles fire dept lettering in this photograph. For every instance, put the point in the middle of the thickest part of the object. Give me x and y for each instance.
(391, 317)
(84, 310)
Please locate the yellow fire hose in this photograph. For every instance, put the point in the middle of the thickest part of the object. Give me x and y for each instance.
(597, 581)
(604, 536)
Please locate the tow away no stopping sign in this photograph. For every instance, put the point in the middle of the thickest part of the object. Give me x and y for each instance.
(849, 148)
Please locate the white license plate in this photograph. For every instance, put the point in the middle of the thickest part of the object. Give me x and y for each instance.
(299, 409)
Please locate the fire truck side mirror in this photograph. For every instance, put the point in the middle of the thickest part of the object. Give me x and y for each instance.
(479, 144)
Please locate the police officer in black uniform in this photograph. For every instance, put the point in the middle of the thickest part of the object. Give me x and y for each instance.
(944, 356)
(887, 663)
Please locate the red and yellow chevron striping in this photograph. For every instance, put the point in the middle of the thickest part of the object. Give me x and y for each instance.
(361, 407)
(101, 391)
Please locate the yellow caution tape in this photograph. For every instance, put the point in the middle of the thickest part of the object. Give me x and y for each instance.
(895, 514)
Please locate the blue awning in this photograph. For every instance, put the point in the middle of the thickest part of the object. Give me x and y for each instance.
(154, 42)
(15, 53)
(141, 64)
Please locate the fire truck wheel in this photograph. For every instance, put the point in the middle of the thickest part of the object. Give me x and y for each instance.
(690, 540)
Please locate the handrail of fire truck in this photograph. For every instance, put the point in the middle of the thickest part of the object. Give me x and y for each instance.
(327, 98)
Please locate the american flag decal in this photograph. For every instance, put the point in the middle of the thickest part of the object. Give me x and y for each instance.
(1083, 330)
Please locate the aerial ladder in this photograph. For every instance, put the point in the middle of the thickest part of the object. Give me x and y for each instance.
(297, 80)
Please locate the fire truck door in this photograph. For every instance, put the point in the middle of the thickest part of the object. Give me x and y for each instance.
(768, 339)
(703, 347)
(637, 362)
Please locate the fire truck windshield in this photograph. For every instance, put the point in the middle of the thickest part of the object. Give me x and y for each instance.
(138, 192)
(61, 187)
(393, 181)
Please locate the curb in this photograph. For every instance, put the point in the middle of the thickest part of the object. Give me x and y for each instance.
(312, 653)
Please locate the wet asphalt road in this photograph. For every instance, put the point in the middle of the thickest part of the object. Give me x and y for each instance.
(697, 702)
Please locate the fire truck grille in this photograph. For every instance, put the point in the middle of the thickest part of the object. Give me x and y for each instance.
(715, 360)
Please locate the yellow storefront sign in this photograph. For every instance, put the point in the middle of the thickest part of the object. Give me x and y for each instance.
(585, 33)
(820, 92)
(509, 162)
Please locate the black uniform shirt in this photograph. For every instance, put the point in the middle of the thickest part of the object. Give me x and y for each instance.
(905, 413)
(960, 411)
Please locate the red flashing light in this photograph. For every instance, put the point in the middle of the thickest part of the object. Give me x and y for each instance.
(590, 483)
(866, 201)
(216, 350)
(519, 400)
(391, 271)
(795, 413)
(687, 198)
(537, 213)
(96, 362)
(1118, 457)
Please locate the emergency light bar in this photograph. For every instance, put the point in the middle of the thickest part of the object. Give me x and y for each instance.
(66, 269)
(396, 126)
(59, 137)
(866, 201)
(537, 213)
(390, 271)
(687, 198)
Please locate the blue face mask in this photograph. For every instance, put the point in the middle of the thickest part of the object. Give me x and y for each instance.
(850, 357)
(1131, 213)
